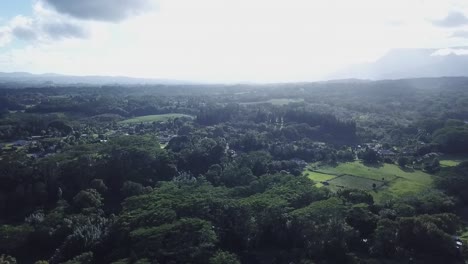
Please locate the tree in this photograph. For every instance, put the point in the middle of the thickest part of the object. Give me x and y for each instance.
(85, 258)
(356, 196)
(223, 257)
(430, 235)
(362, 219)
(385, 238)
(320, 228)
(5, 259)
(87, 198)
(432, 166)
(130, 188)
(369, 156)
(402, 161)
(188, 240)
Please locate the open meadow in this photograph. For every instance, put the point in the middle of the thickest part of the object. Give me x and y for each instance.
(385, 180)
(153, 118)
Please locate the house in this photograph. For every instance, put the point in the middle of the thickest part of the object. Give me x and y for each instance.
(458, 242)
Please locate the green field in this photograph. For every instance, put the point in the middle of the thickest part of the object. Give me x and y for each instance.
(281, 101)
(318, 177)
(389, 179)
(452, 160)
(348, 181)
(153, 118)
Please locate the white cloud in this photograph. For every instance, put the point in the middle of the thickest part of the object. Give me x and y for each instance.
(101, 10)
(450, 51)
(453, 19)
(44, 25)
(460, 34)
(240, 40)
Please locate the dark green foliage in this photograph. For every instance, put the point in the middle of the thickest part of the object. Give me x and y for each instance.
(87, 198)
(14, 238)
(4, 259)
(188, 240)
(455, 181)
(85, 258)
(430, 235)
(222, 257)
(136, 158)
(402, 161)
(385, 239)
(130, 188)
(362, 219)
(369, 156)
(320, 229)
(432, 166)
(453, 138)
(82, 187)
(356, 196)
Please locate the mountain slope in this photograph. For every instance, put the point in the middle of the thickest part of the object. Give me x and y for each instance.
(411, 63)
(51, 78)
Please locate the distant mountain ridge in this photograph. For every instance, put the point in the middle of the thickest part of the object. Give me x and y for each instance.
(52, 78)
(396, 64)
(411, 63)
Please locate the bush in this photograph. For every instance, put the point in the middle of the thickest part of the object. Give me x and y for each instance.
(14, 237)
(223, 257)
(87, 198)
(4, 259)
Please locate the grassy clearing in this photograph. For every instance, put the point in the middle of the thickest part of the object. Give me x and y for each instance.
(401, 187)
(449, 163)
(153, 118)
(389, 179)
(281, 101)
(349, 181)
(452, 160)
(387, 172)
(284, 101)
(318, 177)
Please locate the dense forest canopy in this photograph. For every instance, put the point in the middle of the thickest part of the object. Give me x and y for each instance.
(332, 172)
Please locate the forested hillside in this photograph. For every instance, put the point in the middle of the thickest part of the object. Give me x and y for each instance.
(332, 172)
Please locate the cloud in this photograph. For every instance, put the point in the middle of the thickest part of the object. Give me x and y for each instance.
(453, 19)
(101, 10)
(64, 30)
(5, 37)
(43, 25)
(450, 51)
(22, 27)
(460, 34)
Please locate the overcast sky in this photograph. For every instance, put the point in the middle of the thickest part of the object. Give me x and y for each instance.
(219, 40)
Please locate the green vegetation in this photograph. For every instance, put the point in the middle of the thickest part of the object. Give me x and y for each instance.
(452, 160)
(449, 163)
(280, 102)
(318, 176)
(384, 180)
(153, 118)
(353, 182)
(227, 182)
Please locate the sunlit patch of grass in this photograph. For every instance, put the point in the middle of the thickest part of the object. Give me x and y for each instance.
(318, 177)
(389, 179)
(348, 181)
(452, 160)
(153, 118)
(280, 101)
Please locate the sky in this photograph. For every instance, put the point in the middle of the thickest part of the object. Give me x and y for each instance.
(219, 40)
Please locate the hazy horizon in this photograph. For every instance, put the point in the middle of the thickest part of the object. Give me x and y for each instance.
(219, 41)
